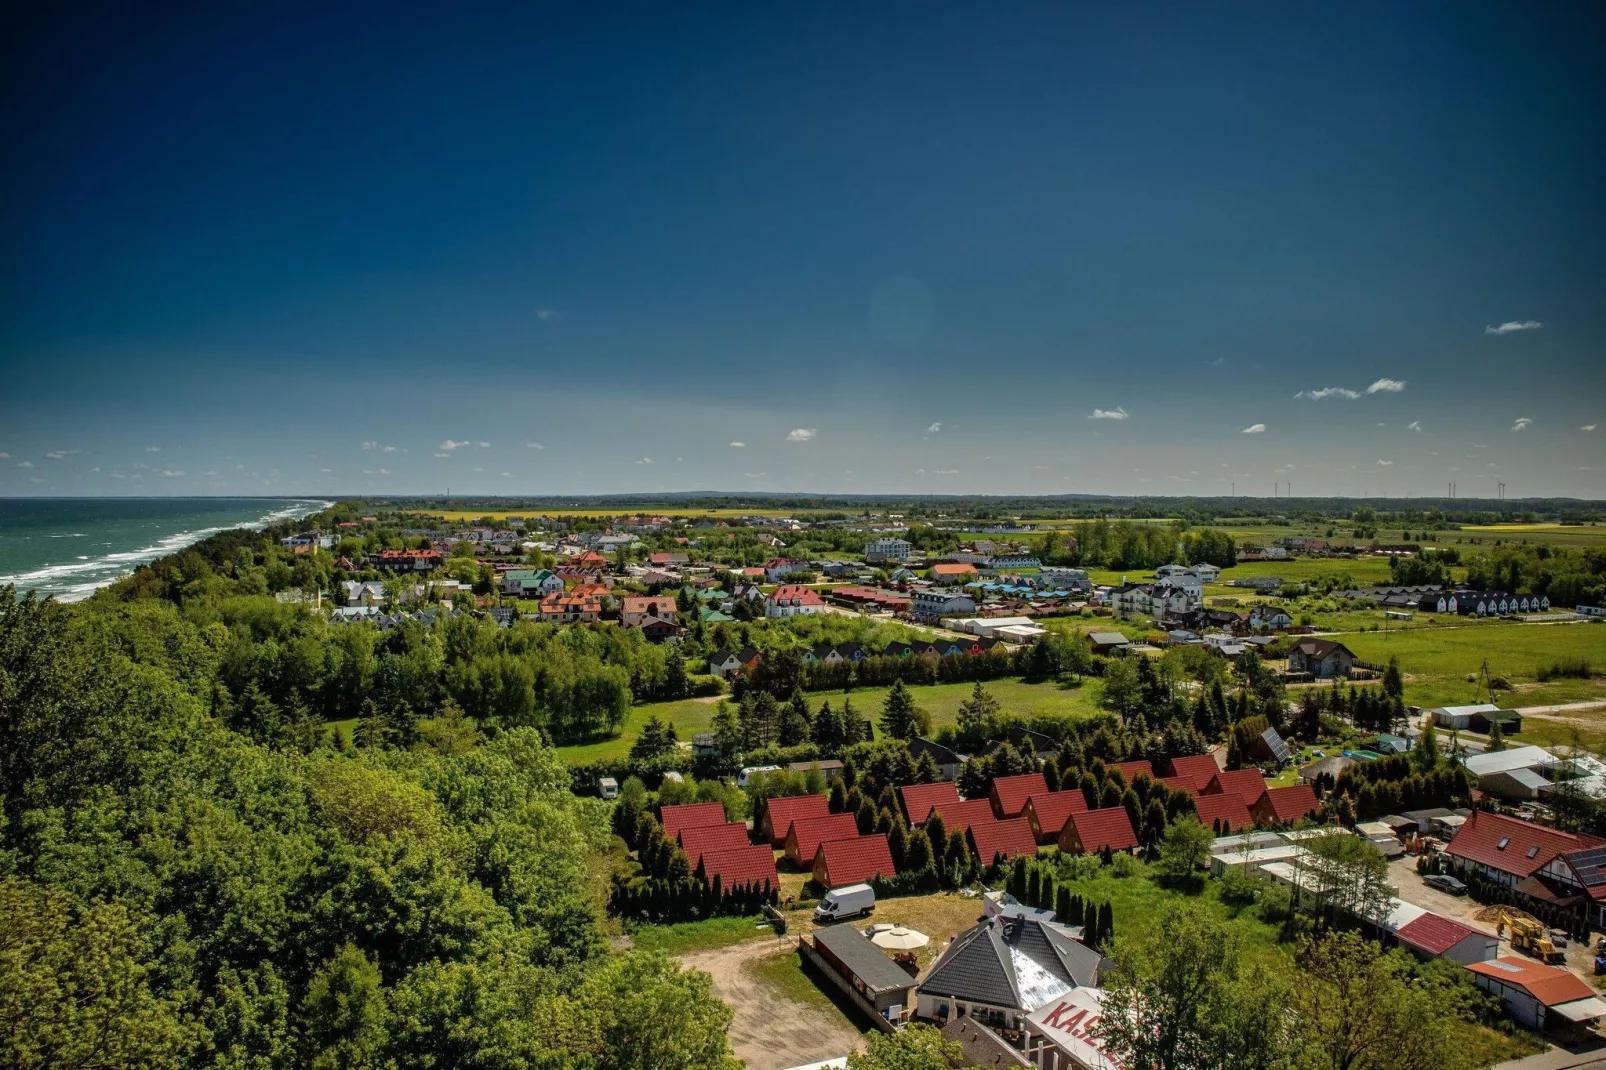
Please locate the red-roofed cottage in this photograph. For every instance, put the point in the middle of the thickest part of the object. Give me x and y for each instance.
(1094, 830)
(803, 839)
(1202, 768)
(1436, 936)
(991, 839)
(1008, 794)
(965, 813)
(1048, 812)
(1130, 771)
(1185, 784)
(854, 861)
(691, 815)
(1229, 810)
(1247, 784)
(1284, 806)
(751, 865)
(779, 814)
(704, 838)
(920, 799)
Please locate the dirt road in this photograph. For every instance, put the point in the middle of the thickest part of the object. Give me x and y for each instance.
(771, 1036)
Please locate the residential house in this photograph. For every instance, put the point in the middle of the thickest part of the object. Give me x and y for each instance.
(1006, 967)
(1269, 747)
(1200, 767)
(886, 549)
(658, 630)
(407, 560)
(838, 863)
(920, 799)
(959, 572)
(727, 663)
(1008, 794)
(1048, 812)
(668, 559)
(1581, 874)
(1323, 659)
(364, 592)
(1538, 996)
(965, 813)
(1091, 831)
(934, 603)
(1222, 812)
(1284, 806)
(948, 760)
(778, 568)
(1130, 771)
(737, 867)
(1331, 766)
(993, 840)
(1015, 560)
(633, 609)
(803, 839)
(779, 813)
(529, 582)
(792, 600)
(690, 815)
(1247, 784)
(700, 839)
(880, 985)
(1512, 852)
(1074, 579)
(571, 608)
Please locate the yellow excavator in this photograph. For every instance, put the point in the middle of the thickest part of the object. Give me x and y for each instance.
(1529, 937)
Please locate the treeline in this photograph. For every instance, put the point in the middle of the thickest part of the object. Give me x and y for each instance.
(1567, 576)
(665, 887)
(212, 901)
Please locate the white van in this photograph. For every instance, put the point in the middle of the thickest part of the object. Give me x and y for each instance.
(848, 901)
(608, 787)
(746, 774)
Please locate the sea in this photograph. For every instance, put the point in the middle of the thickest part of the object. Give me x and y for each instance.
(70, 547)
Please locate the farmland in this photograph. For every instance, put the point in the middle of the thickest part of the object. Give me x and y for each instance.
(1439, 661)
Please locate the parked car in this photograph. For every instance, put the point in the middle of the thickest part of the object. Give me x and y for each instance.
(848, 902)
(1445, 883)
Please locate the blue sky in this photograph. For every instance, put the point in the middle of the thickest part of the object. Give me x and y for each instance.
(880, 247)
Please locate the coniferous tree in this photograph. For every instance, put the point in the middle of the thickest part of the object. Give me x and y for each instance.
(900, 717)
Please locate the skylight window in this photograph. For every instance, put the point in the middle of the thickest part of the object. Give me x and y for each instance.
(1533, 850)
(1504, 842)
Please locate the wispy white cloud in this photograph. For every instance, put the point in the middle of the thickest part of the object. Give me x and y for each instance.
(153, 449)
(58, 455)
(327, 471)
(168, 473)
(443, 455)
(645, 460)
(508, 475)
(376, 471)
(802, 434)
(1586, 427)
(946, 472)
(1385, 464)
(1329, 392)
(1386, 386)
(934, 428)
(1254, 429)
(483, 445)
(5, 456)
(1513, 326)
(1117, 413)
(378, 446)
(755, 475)
(534, 446)
(1414, 425)
(1521, 424)
(24, 464)
(738, 445)
(35, 479)
(93, 470)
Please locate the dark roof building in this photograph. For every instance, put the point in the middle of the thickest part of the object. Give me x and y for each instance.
(1005, 968)
(868, 971)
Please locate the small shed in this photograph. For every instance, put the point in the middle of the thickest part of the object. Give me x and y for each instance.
(869, 973)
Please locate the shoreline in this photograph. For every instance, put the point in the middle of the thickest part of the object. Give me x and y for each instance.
(120, 564)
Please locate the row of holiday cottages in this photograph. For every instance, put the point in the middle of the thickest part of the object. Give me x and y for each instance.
(1018, 815)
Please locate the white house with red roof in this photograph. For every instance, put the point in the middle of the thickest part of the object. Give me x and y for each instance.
(1436, 936)
(793, 600)
(1513, 852)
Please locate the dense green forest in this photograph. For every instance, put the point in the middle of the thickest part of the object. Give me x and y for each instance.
(180, 893)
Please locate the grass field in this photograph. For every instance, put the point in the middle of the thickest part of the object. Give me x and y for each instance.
(940, 700)
(1438, 661)
(687, 936)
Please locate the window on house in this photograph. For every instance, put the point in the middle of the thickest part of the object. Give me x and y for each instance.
(1533, 850)
(1505, 841)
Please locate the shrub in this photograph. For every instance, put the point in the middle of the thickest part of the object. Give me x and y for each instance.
(1574, 668)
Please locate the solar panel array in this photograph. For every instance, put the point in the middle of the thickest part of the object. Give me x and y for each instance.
(1588, 865)
(1274, 742)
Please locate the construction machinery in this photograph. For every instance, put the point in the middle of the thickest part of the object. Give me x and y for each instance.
(1530, 937)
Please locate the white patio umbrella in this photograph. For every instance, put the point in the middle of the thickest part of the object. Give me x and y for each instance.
(900, 939)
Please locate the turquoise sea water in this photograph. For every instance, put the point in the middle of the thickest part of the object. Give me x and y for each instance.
(69, 547)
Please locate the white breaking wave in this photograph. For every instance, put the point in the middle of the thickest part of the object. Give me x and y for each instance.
(79, 579)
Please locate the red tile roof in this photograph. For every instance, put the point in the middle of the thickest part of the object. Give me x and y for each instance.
(656, 605)
(1547, 984)
(1527, 846)
(1283, 806)
(1009, 793)
(1050, 810)
(1098, 829)
(1130, 771)
(691, 815)
(705, 838)
(952, 570)
(753, 864)
(1202, 767)
(782, 812)
(1223, 807)
(805, 836)
(1434, 933)
(796, 594)
(1186, 784)
(1246, 783)
(918, 799)
(1011, 837)
(853, 861)
(965, 813)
